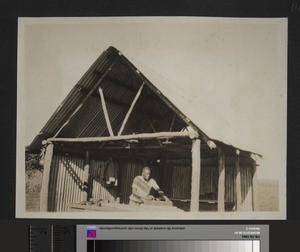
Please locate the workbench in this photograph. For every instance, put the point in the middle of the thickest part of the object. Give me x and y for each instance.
(117, 207)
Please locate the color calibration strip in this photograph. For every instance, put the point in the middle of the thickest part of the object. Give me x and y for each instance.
(172, 246)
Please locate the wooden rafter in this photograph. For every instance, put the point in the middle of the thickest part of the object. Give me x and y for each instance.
(106, 116)
(86, 97)
(171, 126)
(172, 123)
(120, 103)
(130, 110)
(152, 126)
(166, 100)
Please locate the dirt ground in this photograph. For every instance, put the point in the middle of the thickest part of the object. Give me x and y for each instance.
(33, 188)
(268, 195)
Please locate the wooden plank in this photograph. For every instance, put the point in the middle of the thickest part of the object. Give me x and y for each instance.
(106, 116)
(46, 177)
(254, 187)
(196, 172)
(191, 134)
(85, 179)
(130, 110)
(238, 184)
(158, 203)
(221, 181)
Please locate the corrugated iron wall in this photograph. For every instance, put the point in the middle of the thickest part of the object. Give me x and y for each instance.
(246, 179)
(173, 176)
(208, 183)
(179, 184)
(66, 182)
(230, 175)
(177, 179)
(181, 179)
(99, 189)
(230, 188)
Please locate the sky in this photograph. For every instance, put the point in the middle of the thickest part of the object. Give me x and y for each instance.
(233, 70)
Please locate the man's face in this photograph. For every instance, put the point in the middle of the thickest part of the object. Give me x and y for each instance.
(146, 174)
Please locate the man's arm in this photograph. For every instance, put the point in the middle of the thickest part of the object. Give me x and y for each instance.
(136, 193)
(160, 192)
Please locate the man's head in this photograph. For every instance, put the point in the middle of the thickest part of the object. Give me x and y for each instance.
(146, 172)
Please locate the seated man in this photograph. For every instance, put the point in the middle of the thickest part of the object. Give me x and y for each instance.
(141, 188)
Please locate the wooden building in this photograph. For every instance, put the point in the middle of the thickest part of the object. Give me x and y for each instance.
(115, 116)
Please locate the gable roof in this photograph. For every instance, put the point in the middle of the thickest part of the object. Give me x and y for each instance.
(80, 114)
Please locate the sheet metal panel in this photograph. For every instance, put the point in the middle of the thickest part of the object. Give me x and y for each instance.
(66, 182)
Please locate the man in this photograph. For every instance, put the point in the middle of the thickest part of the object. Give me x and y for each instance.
(141, 188)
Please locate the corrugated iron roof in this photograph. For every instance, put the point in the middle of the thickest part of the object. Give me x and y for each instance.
(120, 83)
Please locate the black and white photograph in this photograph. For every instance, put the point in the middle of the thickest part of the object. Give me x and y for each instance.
(151, 118)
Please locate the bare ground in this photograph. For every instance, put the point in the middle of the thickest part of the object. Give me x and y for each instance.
(268, 199)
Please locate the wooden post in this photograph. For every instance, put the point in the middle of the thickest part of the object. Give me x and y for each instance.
(221, 181)
(238, 184)
(196, 172)
(254, 187)
(46, 177)
(86, 173)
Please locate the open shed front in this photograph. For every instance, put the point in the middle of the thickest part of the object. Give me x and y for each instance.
(82, 175)
(113, 123)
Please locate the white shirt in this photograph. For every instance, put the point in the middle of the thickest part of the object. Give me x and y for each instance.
(142, 187)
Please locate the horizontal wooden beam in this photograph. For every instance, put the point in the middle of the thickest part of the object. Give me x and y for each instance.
(163, 135)
(255, 157)
(152, 147)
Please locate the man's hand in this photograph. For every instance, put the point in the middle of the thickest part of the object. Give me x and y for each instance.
(150, 197)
